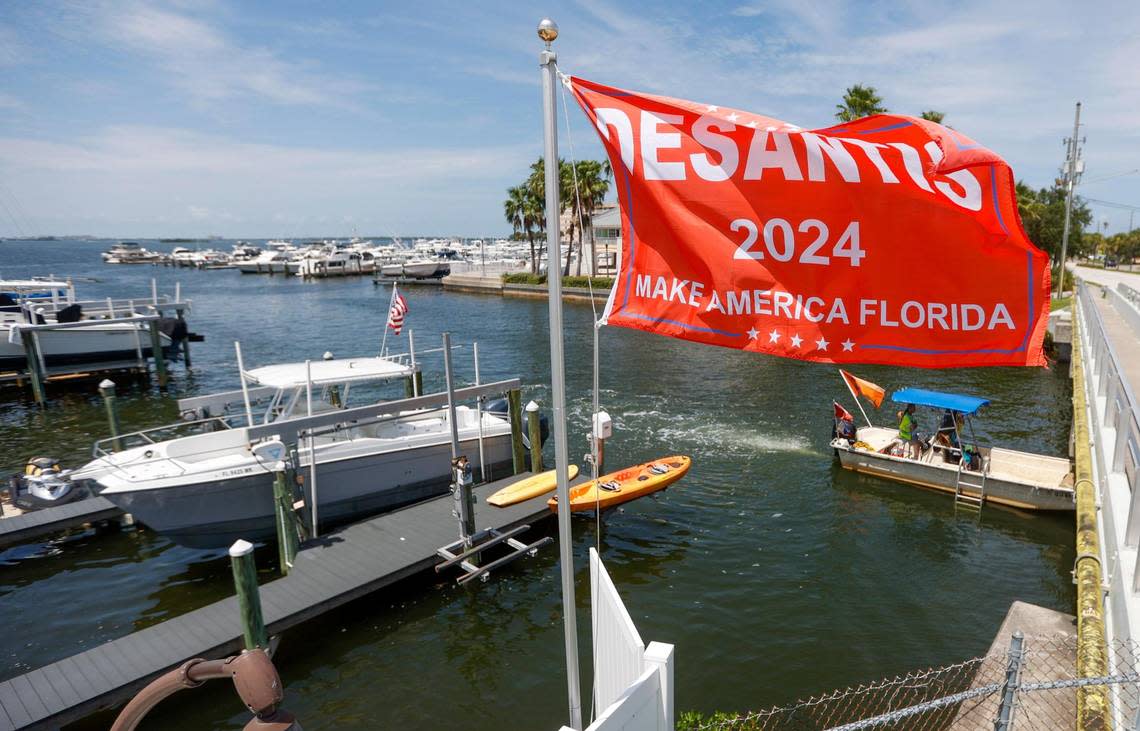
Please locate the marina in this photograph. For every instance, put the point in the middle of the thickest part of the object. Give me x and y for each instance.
(706, 533)
(481, 417)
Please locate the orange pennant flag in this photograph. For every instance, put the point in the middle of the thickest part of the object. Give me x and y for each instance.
(868, 390)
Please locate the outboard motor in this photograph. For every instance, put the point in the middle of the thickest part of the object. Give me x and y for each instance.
(71, 313)
(502, 409)
(43, 484)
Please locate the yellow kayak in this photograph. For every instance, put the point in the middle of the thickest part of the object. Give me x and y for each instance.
(532, 486)
(625, 485)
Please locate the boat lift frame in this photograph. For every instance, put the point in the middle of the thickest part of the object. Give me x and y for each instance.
(466, 551)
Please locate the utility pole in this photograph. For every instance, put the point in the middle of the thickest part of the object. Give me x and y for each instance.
(1070, 173)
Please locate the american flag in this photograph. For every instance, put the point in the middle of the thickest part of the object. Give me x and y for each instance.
(396, 312)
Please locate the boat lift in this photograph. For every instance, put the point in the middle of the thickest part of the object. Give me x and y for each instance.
(466, 551)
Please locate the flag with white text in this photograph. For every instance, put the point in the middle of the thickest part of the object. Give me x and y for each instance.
(889, 239)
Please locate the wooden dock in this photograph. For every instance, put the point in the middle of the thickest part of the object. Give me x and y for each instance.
(340, 567)
(22, 528)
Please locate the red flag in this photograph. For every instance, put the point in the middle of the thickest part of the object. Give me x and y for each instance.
(396, 312)
(858, 387)
(889, 239)
(842, 413)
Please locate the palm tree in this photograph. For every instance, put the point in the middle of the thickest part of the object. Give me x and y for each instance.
(594, 183)
(859, 101)
(932, 116)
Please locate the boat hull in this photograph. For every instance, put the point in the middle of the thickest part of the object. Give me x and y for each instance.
(97, 344)
(943, 477)
(214, 514)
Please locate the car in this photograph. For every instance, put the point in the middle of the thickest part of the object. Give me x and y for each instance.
(1109, 263)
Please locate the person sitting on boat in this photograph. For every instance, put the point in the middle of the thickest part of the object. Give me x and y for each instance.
(908, 432)
(948, 429)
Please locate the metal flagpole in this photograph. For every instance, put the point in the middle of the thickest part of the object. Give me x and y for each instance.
(548, 31)
(384, 339)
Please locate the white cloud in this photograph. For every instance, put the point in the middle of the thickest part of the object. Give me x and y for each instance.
(205, 63)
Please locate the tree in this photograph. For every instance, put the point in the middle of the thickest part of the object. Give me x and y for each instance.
(932, 116)
(859, 101)
(1043, 218)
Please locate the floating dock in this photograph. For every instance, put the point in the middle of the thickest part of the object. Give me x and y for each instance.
(15, 529)
(326, 574)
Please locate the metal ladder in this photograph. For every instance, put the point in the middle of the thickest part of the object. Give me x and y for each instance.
(962, 499)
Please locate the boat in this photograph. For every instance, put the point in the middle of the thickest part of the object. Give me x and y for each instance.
(210, 488)
(42, 302)
(619, 487)
(529, 487)
(973, 473)
(273, 259)
(128, 252)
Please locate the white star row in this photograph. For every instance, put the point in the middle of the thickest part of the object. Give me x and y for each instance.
(733, 117)
(796, 340)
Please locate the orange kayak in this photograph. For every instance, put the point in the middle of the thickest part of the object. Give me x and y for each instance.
(625, 485)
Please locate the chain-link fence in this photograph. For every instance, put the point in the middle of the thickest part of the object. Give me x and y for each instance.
(1030, 685)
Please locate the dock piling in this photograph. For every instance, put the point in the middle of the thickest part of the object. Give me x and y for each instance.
(107, 391)
(514, 406)
(35, 372)
(156, 352)
(249, 598)
(534, 434)
(286, 527)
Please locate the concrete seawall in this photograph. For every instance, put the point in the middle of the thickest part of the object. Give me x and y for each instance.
(495, 285)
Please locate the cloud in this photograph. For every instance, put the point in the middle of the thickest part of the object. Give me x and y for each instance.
(204, 62)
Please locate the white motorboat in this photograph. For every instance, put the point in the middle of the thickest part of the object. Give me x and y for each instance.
(273, 259)
(128, 252)
(40, 302)
(946, 461)
(331, 262)
(211, 488)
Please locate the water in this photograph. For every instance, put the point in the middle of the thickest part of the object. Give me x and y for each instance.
(775, 573)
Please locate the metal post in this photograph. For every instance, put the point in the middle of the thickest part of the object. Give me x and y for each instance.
(464, 499)
(313, 528)
(479, 414)
(534, 434)
(107, 391)
(249, 600)
(244, 385)
(417, 377)
(156, 353)
(1004, 720)
(514, 413)
(1071, 175)
(548, 31)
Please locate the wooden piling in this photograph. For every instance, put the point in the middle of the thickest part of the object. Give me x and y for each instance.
(534, 434)
(185, 340)
(286, 526)
(35, 373)
(249, 598)
(514, 406)
(156, 353)
(107, 391)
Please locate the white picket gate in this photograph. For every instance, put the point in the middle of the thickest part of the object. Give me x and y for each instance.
(633, 685)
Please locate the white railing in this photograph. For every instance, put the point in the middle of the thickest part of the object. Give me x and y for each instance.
(633, 685)
(1114, 420)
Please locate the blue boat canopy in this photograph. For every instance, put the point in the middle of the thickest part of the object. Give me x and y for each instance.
(937, 400)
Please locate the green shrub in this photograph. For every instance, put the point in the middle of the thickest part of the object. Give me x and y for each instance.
(539, 279)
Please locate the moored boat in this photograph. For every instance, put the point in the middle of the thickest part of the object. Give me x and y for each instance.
(949, 462)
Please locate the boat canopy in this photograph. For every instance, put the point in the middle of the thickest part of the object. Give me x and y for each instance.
(329, 372)
(937, 400)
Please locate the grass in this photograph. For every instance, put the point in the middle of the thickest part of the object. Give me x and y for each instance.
(1057, 304)
(540, 279)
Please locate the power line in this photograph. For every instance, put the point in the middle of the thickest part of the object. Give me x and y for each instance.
(1110, 204)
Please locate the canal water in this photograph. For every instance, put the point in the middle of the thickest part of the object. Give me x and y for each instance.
(776, 574)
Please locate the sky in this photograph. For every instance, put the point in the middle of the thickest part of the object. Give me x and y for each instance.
(261, 119)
